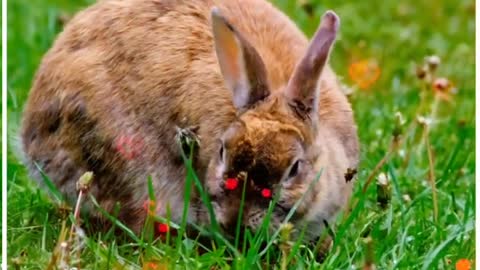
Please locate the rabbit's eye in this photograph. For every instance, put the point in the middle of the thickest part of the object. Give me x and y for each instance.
(221, 152)
(294, 170)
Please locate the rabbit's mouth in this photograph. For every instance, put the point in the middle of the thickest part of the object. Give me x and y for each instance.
(254, 217)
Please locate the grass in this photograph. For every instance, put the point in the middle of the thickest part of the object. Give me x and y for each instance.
(402, 232)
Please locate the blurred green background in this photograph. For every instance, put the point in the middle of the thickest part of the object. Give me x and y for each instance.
(394, 37)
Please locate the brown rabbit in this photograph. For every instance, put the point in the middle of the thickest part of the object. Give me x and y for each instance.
(125, 76)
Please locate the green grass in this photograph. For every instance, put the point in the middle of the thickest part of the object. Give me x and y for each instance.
(402, 235)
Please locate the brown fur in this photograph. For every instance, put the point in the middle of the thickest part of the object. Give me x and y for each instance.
(144, 67)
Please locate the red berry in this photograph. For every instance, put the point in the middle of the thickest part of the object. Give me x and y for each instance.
(231, 183)
(163, 228)
(266, 193)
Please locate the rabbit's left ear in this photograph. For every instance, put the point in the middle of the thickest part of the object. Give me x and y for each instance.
(302, 91)
(242, 67)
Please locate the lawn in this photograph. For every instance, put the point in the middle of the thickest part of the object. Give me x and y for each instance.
(414, 200)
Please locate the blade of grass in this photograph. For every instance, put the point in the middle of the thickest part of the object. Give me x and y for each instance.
(431, 174)
(186, 198)
(296, 246)
(44, 233)
(116, 222)
(433, 256)
(240, 212)
(203, 195)
(50, 185)
(148, 228)
(342, 229)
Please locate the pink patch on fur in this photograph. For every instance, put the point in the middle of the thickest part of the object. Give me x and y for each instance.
(129, 147)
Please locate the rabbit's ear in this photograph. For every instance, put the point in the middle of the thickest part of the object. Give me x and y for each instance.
(242, 67)
(301, 91)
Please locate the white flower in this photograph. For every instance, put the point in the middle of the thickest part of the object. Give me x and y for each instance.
(400, 118)
(433, 61)
(424, 120)
(382, 179)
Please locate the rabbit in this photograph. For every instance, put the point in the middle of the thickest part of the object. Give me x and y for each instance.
(125, 77)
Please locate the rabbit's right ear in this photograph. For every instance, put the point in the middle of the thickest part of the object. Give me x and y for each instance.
(302, 91)
(242, 67)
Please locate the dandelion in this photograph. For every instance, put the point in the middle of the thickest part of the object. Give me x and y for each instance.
(364, 73)
(382, 179)
(423, 120)
(433, 62)
(442, 88)
(406, 198)
(426, 72)
(399, 122)
(286, 230)
(85, 181)
(400, 118)
(441, 84)
(421, 72)
(383, 190)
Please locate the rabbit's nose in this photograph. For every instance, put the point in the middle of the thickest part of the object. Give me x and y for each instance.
(231, 225)
(231, 229)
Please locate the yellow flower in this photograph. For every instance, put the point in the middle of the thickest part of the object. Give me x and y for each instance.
(463, 264)
(364, 73)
